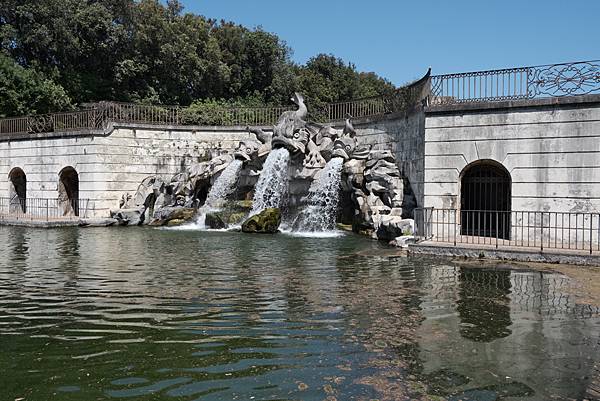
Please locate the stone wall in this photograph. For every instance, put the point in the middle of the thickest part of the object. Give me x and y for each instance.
(550, 147)
(114, 163)
(403, 134)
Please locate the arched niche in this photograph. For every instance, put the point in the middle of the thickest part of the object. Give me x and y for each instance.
(17, 190)
(68, 192)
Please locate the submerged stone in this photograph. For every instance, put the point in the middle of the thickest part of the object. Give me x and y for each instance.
(266, 222)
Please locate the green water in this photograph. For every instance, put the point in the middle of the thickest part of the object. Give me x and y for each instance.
(149, 314)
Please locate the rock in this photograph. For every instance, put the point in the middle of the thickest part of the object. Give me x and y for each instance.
(146, 192)
(374, 186)
(166, 214)
(266, 222)
(236, 218)
(163, 200)
(175, 222)
(404, 241)
(354, 166)
(129, 217)
(391, 227)
(213, 220)
(382, 155)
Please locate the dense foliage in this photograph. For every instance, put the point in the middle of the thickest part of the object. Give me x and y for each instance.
(56, 54)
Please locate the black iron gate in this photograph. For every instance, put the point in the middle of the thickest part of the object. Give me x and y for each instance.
(486, 201)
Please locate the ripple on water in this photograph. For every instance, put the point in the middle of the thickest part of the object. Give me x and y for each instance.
(147, 314)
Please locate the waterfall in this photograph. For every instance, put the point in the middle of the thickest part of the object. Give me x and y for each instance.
(224, 185)
(322, 200)
(272, 184)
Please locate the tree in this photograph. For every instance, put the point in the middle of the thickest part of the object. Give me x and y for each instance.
(26, 91)
(149, 52)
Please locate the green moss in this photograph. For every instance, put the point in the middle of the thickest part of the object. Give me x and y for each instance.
(266, 222)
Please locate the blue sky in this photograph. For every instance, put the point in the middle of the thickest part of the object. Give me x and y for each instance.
(399, 40)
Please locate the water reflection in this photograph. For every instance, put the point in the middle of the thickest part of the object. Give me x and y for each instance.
(151, 314)
(532, 339)
(483, 304)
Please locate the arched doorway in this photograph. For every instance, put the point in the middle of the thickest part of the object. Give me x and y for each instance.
(485, 200)
(68, 192)
(17, 191)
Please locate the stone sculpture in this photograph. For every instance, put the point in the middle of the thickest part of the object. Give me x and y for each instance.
(371, 178)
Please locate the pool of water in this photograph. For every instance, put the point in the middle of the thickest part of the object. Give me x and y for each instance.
(150, 314)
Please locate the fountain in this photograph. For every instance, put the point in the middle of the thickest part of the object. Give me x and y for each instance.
(322, 200)
(273, 182)
(297, 163)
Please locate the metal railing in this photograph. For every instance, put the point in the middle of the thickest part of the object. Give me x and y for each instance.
(529, 229)
(552, 80)
(89, 119)
(98, 115)
(402, 99)
(44, 209)
(357, 108)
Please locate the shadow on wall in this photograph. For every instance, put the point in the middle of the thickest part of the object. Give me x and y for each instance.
(68, 192)
(17, 191)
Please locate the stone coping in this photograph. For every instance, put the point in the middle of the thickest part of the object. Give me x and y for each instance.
(481, 106)
(518, 254)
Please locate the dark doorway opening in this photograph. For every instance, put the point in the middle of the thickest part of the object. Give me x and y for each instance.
(68, 192)
(17, 191)
(486, 200)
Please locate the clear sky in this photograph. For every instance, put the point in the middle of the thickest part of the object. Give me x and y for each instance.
(399, 40)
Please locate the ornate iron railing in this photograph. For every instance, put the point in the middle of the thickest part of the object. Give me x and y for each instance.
(553, 80)
(545, 231)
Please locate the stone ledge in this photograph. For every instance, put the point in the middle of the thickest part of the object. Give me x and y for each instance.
(83, 133)
(514, 254)
(457, 108)
(40, 223)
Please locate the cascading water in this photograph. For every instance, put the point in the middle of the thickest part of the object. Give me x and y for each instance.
(223, 186)
(272, 184)
(322, 200)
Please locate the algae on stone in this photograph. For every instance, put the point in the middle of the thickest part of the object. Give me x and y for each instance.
(266, 222)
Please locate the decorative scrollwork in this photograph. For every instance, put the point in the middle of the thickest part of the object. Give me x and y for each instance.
(40, 124)
(560, 80)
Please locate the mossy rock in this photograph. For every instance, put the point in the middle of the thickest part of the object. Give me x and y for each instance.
(166, 214)
(175, 222)
(236, 218)
(266, 222)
